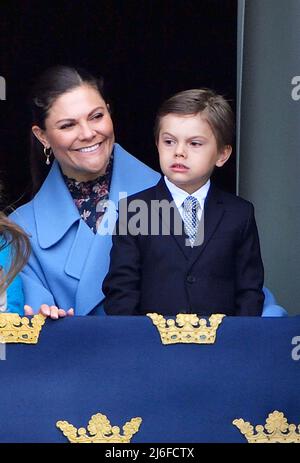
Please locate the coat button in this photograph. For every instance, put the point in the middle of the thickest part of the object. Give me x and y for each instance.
(190, 279)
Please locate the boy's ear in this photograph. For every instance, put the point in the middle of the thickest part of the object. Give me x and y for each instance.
(40, 135)
(224, 155)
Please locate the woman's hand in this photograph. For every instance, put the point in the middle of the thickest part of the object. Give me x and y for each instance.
(49, 311)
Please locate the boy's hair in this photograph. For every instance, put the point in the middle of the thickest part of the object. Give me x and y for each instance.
(212, 107)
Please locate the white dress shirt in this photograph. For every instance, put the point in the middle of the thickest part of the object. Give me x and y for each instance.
(179, 196)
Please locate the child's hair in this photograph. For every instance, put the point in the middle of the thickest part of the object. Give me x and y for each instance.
(12, 235)
(212, 107)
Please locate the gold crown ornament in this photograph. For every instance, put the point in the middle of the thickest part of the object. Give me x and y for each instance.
(187, 328)
(101, 431)
(276, 430)
(14, 328)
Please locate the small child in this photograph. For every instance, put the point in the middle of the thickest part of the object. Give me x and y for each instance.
(212, 263)
(14, 252)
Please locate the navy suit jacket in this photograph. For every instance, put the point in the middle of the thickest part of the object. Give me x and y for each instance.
(160, 273)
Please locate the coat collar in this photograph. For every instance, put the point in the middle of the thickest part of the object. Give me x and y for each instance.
(54, 209)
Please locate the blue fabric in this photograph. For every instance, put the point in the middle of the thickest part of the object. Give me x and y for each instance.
(15, 296)
(68, 261)
(269, 297)
(271, 308)
(118, 366)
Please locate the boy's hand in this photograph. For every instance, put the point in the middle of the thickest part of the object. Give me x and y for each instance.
(49, 311)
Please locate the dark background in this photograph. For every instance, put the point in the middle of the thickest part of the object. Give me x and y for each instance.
(146, 50)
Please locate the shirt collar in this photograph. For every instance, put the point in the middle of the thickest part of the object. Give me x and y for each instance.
(180, 195)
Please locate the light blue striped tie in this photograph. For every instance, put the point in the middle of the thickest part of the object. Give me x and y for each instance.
(190, 217)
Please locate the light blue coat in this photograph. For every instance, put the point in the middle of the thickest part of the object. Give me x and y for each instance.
(14, 293)
(68, 261)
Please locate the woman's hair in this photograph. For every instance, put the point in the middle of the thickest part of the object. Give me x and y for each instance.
(12, 235)
(212, 107)
(53, 83)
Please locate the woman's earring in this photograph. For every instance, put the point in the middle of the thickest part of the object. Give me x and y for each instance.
(47, 155)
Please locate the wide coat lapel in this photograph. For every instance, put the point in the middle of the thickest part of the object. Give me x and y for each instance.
(54, 209)
(57, 218)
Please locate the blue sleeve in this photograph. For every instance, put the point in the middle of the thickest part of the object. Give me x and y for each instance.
(15, 296)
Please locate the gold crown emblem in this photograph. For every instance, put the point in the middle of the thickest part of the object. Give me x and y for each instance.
(276, 430)
(14, 328)
(100, 431)
(188, 328)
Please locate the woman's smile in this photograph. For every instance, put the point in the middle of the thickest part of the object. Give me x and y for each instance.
(80, 132)
(88, 149)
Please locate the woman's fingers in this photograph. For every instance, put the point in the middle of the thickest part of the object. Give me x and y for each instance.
(49, 311)
(54, 312)
(28, 310)
(45, 310)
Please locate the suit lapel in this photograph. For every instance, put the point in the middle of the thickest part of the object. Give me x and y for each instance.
(175, 224)
(213, 213)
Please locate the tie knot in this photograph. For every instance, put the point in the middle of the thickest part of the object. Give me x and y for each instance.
(191, 204)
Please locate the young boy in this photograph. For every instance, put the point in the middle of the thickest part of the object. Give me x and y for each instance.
(212, 263)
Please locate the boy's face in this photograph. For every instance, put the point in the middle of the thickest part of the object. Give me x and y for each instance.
(188, 151)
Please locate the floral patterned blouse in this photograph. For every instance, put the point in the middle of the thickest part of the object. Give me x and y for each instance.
(90, 197)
